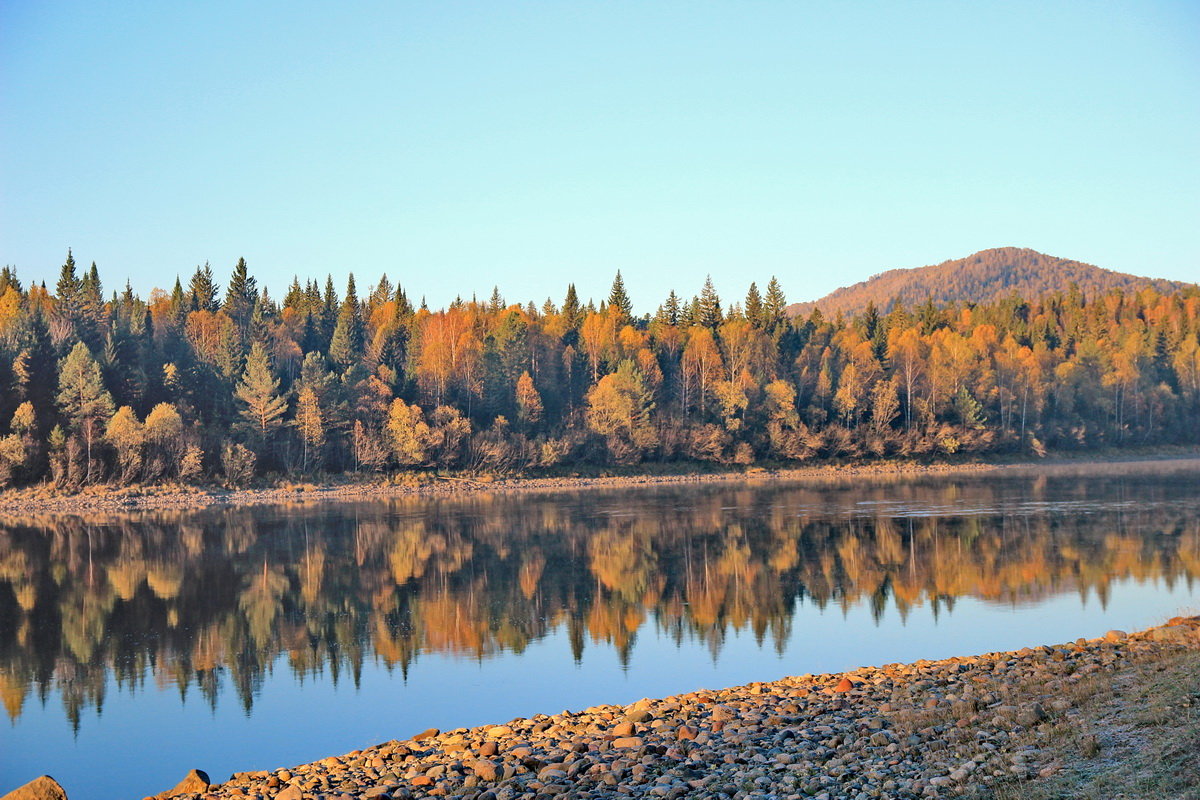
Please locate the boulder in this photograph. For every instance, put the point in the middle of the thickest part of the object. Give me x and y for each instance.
(1171, 633)
(844, 685)
(43, 788)
(429, 733)
(195, 782)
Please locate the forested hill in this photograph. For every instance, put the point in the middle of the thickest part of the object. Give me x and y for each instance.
(984, 277)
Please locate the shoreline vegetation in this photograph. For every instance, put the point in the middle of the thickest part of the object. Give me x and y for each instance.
(1115, 716)
(184, 387)
(102, 497)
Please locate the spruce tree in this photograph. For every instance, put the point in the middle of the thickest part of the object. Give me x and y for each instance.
(708, 306)
(754, 309)
(241, 294)
(775, 305)
(618, 298)
(68, 282)
(572, 314)
(203, 289)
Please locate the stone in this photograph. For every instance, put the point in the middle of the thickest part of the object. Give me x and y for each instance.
(43, 788)
(1116, 636)
(499, 731)
(844, 685)
(1032, 714)
(486, 770)
(194, 782)
(1171, 633)
(626, 728)
(290, 793)
(488, 749)
(627, 741)
(429, 733)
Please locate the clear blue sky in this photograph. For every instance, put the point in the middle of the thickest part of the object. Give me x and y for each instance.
(460, 145)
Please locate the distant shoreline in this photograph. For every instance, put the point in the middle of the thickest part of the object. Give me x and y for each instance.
(40, 499)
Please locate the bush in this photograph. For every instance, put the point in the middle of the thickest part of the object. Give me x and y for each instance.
(238, 463)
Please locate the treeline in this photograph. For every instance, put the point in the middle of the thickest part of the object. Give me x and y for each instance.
(197, 384)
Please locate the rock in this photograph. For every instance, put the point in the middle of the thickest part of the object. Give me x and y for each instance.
(1032, 714)
(499, 731)
(486, 770)
(488, 749)
(290, 793)
(624, 729)
(426, 734)
(43, 788)
(627, 741)
(844, 685)
(1171, 633)
(1116, 636)
(194, 782)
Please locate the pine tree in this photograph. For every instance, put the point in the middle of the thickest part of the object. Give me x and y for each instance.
(259, 390)
(82, 396)
(618, 298)
(309, 425)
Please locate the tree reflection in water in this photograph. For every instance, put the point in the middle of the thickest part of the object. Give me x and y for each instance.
(195, 600)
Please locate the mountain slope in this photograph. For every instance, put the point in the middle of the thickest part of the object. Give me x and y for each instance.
(985, 276)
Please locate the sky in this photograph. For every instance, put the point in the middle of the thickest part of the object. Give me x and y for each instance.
(457, 146)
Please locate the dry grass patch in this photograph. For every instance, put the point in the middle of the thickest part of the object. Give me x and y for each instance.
(1133, 735)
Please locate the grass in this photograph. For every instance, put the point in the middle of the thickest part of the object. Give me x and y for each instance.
(1136, 736)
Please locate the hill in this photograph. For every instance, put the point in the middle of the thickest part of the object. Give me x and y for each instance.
(983, 277)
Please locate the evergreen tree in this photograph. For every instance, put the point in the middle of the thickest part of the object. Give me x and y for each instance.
(618, 299)
(241, 294)
(708, 306)
(346, 345)
(775, 304)
(755, 310)
(68, 282)
(82, 396)
(203, 289)
(572, 313)
(259, 390)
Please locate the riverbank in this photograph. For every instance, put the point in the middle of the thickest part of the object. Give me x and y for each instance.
(42, 499)
(1091, 718)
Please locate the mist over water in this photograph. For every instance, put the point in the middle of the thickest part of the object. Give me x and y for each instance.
(135, 647)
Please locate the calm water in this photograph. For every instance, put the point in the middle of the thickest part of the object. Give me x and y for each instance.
(135, 647)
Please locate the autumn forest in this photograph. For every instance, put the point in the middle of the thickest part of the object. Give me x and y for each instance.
(204, 383)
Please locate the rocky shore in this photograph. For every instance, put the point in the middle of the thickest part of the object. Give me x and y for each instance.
(957, 727)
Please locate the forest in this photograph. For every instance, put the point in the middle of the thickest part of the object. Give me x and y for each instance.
(197, 384)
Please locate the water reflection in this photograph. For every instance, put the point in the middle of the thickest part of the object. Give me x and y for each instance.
(209, 600)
